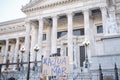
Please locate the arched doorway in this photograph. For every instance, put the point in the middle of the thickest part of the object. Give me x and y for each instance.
(11, 78)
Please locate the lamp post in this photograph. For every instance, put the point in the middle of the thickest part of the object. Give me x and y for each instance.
(36, 49)
(22, 51)
(7, 61)
(86, 43)
(28, 71)
(1, 61)
(18, 68)
(87, 64)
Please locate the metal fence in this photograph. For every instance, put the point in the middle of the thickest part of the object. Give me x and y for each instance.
(35, 75)
(100, 74)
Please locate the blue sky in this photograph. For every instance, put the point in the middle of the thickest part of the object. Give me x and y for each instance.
(11, 9)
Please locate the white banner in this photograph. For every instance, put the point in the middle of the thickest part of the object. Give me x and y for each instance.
(53, 66)
(1, 59)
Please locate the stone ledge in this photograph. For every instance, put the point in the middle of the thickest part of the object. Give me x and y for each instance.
(111, 36)
(118, 54)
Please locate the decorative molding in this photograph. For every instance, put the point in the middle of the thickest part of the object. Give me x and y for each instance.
(111, 36)
(29, 6)
(12, 21)
(107, 55)
(10, 29)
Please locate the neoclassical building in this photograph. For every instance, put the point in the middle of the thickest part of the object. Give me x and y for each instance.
(60, 27)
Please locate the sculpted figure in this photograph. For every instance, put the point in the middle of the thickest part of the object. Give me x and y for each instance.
(111, 26)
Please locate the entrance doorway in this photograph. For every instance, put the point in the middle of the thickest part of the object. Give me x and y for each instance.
(11, 78)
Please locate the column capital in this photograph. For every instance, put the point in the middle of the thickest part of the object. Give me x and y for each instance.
(40, 18)
(86, 11)
(17, 38)
(103, 9)
(54, 16)
(6, 39)
(70, 14)
(27, 21)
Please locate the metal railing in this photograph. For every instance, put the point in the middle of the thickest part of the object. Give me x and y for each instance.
(21, 73)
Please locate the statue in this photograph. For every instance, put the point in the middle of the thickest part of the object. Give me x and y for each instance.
(111, 26)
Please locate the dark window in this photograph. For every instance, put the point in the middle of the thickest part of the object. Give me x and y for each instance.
(108, 77)
(9, 48)
(11, 78)
(19, 46)
(60, 34)
(58, 51)
(78, 32)
(56, 54)
(100, 29)
(44, 37)
(73, 56)
(66, 51)
(82, 55)
(62, 17)
(96, 12)
(78, 14)
(0, 49)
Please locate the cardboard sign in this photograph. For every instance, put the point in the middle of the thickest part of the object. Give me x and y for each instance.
(53, 66)
(1, 59)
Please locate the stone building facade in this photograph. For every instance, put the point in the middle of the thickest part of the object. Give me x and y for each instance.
(60, 27)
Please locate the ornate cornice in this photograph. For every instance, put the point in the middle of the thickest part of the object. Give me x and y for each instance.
(12, 21)
(11, 26)
(10, 29)
(29, 6)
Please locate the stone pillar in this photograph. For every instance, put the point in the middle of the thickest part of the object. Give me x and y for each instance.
(104, 19)
(40, 36)
(6, 50)
(27, 40)
(86, 24)
(34, 39)
(16, 50)
(54, 35)
(70, 39)
(87, 30)
(48, 46)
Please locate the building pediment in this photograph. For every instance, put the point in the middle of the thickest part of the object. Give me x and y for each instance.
(40, 4)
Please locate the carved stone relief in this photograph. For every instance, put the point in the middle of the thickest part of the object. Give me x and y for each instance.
(111, 25)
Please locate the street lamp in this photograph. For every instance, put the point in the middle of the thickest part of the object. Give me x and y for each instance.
(86, 43)
(22, 51)
(18, 68)
(7, 61)
(36, 49)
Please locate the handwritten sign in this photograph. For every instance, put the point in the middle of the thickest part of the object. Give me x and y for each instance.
(53, 66)
(1, 59)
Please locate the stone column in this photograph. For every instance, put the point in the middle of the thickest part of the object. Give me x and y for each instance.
(16, 50)
(54, 35)
(27, 40)
(70, 39)
(6, 50)
(48, 46)
(86, 24)
(40, 36)
(104, 19)
(34, 40)
(88, 47)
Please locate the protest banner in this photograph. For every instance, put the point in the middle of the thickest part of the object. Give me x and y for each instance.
(1, 59)
(55, 66)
